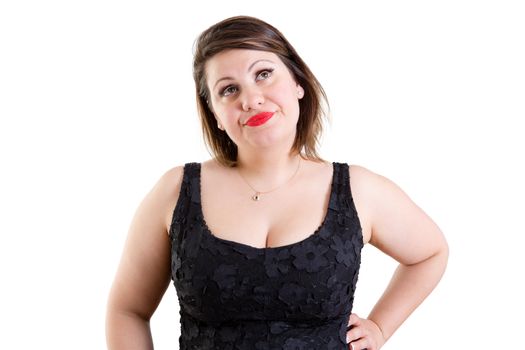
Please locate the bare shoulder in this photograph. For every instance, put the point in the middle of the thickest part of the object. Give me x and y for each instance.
(135, 289)
(163, 195)
(166, 192)
(361, 182)
(369, 185)
(172, 179)
(369, 190)
(394, 223)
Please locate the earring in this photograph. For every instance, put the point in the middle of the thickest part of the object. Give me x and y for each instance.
(300, 93)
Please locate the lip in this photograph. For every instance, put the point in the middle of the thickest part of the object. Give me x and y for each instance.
(259, 119)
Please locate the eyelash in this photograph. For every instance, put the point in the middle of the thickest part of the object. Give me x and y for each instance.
(269, 70)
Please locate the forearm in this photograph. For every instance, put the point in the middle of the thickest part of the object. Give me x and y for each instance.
(409, 286)
(127, 331)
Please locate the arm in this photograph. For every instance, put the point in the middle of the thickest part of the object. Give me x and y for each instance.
(143, 274)
(401, 229)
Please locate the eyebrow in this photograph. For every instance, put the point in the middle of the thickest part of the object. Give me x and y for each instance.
(249, 68)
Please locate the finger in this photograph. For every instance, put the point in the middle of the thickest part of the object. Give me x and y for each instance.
(354, 320)
(354, 334)
(361, 344)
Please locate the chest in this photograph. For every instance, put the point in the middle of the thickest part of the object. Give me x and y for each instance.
(284, 216)
(303, 277)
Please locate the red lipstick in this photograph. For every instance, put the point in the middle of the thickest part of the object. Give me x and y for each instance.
(259, 119)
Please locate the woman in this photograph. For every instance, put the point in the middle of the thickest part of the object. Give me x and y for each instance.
(235, 232)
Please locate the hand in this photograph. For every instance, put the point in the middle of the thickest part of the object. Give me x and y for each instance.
(364, 334)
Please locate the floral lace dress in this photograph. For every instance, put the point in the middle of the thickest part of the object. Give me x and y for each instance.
(235, 296)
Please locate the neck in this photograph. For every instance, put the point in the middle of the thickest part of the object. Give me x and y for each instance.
(265, 170)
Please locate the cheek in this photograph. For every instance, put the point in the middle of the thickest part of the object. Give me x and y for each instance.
(284, 93)
(227, 114)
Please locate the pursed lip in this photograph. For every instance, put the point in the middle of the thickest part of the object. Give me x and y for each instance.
(259, 116)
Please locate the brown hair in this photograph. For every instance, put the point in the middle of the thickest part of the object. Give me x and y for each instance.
(245, 32)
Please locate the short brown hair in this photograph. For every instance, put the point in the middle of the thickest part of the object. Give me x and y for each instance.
(245, 32)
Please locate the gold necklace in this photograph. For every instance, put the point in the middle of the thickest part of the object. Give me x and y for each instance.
(257, 194)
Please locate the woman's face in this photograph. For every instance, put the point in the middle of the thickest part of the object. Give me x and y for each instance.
(243, 83)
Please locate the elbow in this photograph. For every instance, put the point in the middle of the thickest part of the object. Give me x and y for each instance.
(441, 251)
(444, 250)
(440, 257)
(438, 254)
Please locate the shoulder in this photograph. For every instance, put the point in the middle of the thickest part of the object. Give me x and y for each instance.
(172, 175)
(395, 223)
(170, 181)
(373, 187)
(361, 179)
(166, 191)
(370, 190)
(169, 185)
(370, 184)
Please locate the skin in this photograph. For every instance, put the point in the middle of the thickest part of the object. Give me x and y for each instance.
(390, 220)
(263, 151)
(401, 229)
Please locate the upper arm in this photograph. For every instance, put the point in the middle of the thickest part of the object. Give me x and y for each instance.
(398, 226)
(143, 274)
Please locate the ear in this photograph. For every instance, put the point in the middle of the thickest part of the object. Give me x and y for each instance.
(219, 125)
(300, 91)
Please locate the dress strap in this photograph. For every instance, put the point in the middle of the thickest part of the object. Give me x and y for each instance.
(341, 199)
(345, 202)
(344, 185)
(339, 191)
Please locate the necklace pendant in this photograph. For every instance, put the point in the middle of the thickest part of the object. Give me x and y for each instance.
(256, 197)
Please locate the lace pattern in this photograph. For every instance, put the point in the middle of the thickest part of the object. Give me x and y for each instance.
(235, 296)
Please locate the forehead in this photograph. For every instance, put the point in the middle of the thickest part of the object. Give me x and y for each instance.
(236, 61)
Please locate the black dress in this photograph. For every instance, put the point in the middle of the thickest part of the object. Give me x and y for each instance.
(235, 296)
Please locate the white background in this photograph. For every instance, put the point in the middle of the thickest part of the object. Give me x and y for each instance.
(97, 102)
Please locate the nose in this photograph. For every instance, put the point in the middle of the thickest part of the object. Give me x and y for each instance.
(252, 98)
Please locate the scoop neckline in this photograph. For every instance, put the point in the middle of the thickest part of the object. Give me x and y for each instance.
(312, 236)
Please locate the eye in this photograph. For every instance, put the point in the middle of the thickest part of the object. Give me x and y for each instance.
(267, 71)
(230, 89)
(227, 90)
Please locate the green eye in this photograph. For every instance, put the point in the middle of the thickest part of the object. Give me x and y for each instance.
(269, 71)
(225, 90)
(230, 89)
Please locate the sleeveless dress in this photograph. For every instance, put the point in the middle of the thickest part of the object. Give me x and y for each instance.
(235, 296)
